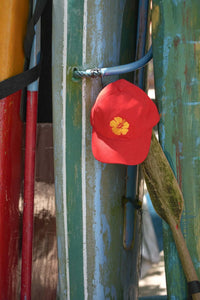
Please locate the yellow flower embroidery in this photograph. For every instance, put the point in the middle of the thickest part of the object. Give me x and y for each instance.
(119, 126)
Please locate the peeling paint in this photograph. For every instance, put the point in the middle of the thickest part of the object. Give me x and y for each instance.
(176, 2)
(91, 224)
(177, 80)
(191, 103)
(100, 258)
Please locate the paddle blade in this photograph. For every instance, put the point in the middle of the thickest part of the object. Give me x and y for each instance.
(162, 185)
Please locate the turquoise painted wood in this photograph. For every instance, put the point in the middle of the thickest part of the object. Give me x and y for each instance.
(154, 298)
(176, 52)
(92, 261)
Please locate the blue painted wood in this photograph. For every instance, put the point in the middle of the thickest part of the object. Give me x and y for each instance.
(154, 298)
(92, 261)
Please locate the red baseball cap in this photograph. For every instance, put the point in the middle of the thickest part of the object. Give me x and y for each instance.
(122, 119)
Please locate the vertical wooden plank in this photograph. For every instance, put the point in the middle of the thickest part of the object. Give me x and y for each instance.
(111, 269)
(68, 23)
(92, 261)
(176, 51)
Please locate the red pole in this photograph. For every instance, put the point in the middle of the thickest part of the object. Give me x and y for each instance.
(29, 173)
(29, 178)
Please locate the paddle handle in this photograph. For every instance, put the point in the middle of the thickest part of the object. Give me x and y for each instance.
(184, 255)
(168, 201)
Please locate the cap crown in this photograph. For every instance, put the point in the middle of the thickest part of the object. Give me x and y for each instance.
(123, 111)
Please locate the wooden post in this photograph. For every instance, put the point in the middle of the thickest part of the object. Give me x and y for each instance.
(176, 52)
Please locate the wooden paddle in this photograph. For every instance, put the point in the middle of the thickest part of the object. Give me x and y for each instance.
(168, 202)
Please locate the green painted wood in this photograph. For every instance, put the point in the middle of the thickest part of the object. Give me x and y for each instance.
(176, 52)
(67, 147)
(92, 261)
(73, 149)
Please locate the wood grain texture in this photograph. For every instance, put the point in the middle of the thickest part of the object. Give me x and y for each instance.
(176, 52)
(92, 261)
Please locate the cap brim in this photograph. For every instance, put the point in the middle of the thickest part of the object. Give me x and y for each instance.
(122, 151)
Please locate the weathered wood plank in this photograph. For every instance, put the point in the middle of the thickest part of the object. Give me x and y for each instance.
(176, 50)
(92, 261)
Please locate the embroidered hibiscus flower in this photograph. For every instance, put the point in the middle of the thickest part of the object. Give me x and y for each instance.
(119, 126)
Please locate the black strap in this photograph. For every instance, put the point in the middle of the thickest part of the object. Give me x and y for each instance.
(193, 287)
(20, 81)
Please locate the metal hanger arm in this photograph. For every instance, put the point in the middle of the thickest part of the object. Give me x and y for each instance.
(98, 72)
